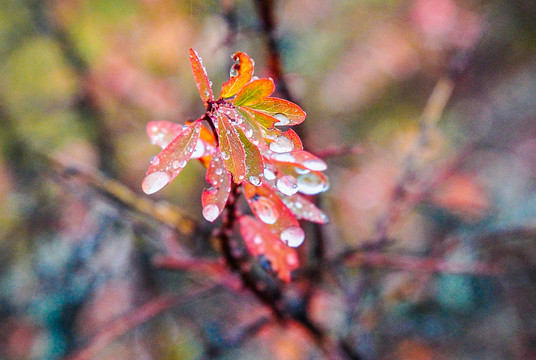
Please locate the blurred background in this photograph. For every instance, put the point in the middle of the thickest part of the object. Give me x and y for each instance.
(425, 111)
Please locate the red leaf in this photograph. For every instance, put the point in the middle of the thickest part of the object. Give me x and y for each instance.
(161, 133)
(215, 198)
(201, 79)
(286, 112)
(241, 74)
(170, 162)
(232, 151)
(254, 92)
(271, 210)
(261, 242)
(304, 209)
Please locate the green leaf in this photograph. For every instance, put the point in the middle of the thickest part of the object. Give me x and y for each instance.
(232, 150)
(254, 162)
(286, 112)
(254, 92)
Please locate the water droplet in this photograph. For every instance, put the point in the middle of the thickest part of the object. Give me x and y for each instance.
(265, 210)
(233, 72)
(315, 164)
(301, 171)
(269, 173)
(211, 212)
(207, 93)
(199, 150)
(225, 155)
(155, 161)
(281, 145)
(283, 119)
(310, 184)
(218, 171)
(182, 163)
(176, 164)
(248, 133)
(154, 128)
(284, 157)
(293, 236)
(255, 180)
(257, 239)
(292, 259)
(287, 185)
(155, 181)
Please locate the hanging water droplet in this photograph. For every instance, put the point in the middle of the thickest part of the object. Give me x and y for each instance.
(310, 184)
(269, 172)
(315, 164)
(255, 180)
(233, 72)
(287, 185)
(199, 150)
(284, 157)
(265, 210)
(283, 119)
(182, 163)
(211, 212)
(155, 181)
(281, 145)
(293, 236)
(225, 155)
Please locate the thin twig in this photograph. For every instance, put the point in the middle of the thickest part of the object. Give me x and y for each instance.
(131, 320)
(162, 211)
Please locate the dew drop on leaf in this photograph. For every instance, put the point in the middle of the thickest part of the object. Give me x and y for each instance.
(293, 236)
(287, 185)
(154, 182)
(281, 145)
(176, 164)
(310, 184)
(315, 164)
(199, 150)
(255, 180)
(301, 171)
(218, 171)
(283, 119)
(269, 173)
(265, 210)
(211, 212)
(225, 155)
(233, 72)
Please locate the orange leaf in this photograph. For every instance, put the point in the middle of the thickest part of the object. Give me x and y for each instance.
(170, 162)
(286, 112)
(271, 210)
(241, 74)
(261, 242)
(254, 92)
(215, 198)
(201, 79)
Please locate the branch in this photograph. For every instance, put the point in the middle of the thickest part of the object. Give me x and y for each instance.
(133, 319)
(161, 211)
(416, 264)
